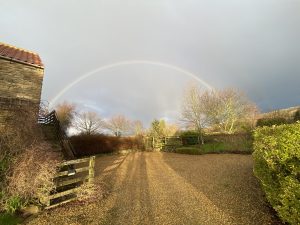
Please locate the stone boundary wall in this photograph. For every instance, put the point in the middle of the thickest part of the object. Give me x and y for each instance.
(20, 87)
(20, 81)
(13, 103)
(10, 105)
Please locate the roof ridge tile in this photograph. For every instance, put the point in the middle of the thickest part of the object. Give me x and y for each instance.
(20, 55)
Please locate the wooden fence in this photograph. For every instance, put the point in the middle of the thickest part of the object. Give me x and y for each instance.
(71, 176)
(51, 120)
(170, 142)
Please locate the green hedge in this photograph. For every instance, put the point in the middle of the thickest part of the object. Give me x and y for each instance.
(297, 116)
(277, 165)
(85, 145)
(189, 137)
(272, 121)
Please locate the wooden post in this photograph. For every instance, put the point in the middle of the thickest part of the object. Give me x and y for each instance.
(45, 201)
(92, 169)
(153, 142)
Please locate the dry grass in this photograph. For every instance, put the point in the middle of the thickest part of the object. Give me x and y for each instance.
(88, 193)
(20, 132)
(27, 162)
(32, 172)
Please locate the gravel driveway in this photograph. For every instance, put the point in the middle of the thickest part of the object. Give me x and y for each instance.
(167, 188)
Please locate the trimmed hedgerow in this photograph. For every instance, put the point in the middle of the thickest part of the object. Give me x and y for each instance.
(277, 165)
(85, 145)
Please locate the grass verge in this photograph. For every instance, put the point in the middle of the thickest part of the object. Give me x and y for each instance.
(211, 148)
(9, 219)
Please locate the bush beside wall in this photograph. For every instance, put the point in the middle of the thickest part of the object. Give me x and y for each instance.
(277, 165)
(27, 161)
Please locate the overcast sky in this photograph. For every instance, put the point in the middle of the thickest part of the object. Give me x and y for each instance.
(143, 52)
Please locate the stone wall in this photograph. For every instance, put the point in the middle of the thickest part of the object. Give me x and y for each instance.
(10, 106)
(20, 85)
(19, 80)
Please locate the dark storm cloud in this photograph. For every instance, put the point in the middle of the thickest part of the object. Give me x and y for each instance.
(249, 44)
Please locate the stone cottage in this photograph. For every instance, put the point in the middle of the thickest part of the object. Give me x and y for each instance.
(21, 77)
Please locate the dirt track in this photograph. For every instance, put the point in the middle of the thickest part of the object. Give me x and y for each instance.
(165, 188)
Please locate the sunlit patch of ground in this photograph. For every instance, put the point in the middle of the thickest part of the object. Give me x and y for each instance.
(165, 188)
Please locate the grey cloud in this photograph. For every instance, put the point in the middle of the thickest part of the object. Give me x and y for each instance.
(251, 45)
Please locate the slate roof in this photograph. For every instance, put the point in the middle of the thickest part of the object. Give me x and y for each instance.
(20, 55)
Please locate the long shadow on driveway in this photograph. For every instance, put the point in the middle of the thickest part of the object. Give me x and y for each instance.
(228, 181)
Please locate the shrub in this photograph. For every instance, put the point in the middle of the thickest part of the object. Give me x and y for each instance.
(13, 203)
(297, 116)
(277, 166)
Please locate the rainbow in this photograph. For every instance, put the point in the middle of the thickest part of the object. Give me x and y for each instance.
(123, 63)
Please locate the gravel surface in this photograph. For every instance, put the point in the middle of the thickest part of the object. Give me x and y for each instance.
(166, 188)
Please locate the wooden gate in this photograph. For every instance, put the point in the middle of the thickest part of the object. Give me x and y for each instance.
(72, 175)
(170, 143)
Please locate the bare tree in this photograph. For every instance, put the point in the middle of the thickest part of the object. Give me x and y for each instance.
(66, 112)
(88, 123)
(137, 128)
(193, 111)
(171, 129)
(44, 108)
(251, 115)
(225, 108)
(119, 125)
